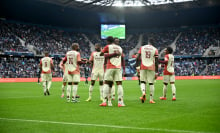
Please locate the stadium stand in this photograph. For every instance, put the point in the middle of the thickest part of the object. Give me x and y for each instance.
(23, 44)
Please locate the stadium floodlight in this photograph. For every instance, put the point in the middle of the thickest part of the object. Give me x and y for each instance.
(130, 3)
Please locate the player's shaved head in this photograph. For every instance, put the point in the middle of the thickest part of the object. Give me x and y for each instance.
(151, 41)
(46, 53)
(116, 40)
(110, 39)
(98, 47)
(75, 46)
(169, 50)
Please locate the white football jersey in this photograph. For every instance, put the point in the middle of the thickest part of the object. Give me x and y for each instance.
(98, 62)
(170, 64)
(116, 61)
(72, 60)
(148, 55)
(46, 64)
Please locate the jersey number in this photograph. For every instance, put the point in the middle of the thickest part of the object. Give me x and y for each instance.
(70, 60)
(116, 51)
(148, 53)
(171, 64)
(45, 63)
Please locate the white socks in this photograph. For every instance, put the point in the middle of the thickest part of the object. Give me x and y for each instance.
(173, 90)
(44, 86)
(49, 85)
(105, 92)
(151, 92)
(90, 91)
(74, 91)
(101, 91)
(68, 91)
(143, 88)
(164, 90)
(113, 91)
(120, 93)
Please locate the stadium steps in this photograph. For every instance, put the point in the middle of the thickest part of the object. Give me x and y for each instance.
(173, 45)
(216, 49)
(134, 50)
(91, 45)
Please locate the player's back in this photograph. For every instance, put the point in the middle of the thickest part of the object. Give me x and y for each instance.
(115, 61)
(98, 61)
(72, 58)
(170, 64)
(65, 69)
(148, 53)
(46, 64)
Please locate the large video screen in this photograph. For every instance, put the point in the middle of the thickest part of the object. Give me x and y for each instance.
(115, 30)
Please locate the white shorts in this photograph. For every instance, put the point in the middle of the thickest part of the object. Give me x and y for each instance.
(96, 75)
(113, 75)
(46, 77)
(65, 77)
(168, 78)
(147, 76)
(73, 78)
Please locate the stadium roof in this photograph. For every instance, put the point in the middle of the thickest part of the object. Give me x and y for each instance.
(130, 3)
(80, 15)
(158, 4)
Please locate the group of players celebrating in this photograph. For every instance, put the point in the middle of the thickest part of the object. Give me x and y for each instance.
(107, 65)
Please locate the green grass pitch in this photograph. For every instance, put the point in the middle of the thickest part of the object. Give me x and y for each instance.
(24, 109)
(116, 32)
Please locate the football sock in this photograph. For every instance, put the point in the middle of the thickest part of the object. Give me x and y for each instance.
(68, 90)
(113, 90)
(164, 90)
(120, 94)
(44, 86)
(151, 92)
(173, 90)
(90, 90)
(143, 88)
(101, 91)
(49, 85)
(105, 92)
(74, 91)
(63, 87)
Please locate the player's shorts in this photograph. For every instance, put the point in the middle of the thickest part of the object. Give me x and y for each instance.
(113, 75)
(46, 77)
(147, 76)
(65, 77)
(168, 78)
(96, 75)
(73, 78)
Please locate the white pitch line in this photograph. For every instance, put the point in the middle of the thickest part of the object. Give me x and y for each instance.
(107, 126)
(19, 97)
(24, 97)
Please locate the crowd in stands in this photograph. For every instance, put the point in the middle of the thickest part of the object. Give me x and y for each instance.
(18, 67)
(186, 67)
(196, 41)
(8, 41)
(55, 41)
(162, 39)
(14, 67)
(15, 37)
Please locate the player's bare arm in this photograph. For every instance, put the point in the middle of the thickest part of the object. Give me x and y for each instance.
(61, 65)
(40, 65)
(115, 54)
(123, 64)
(137, 60)
(163, 62)
(83, 61)
(156, 67)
